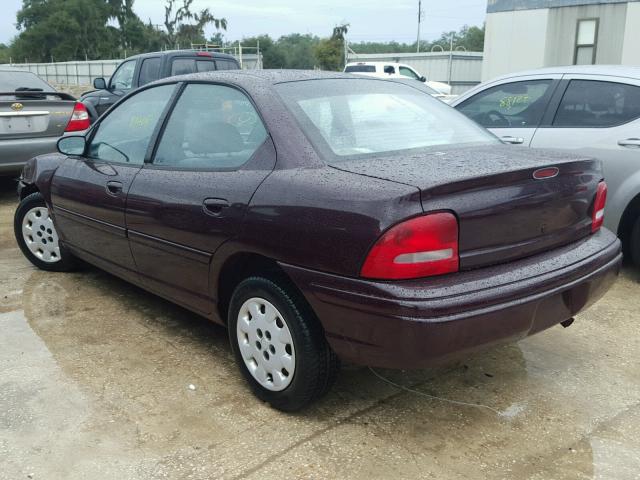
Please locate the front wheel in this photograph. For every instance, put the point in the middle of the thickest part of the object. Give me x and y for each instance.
(634, 243)
(37, 236)
(279, 344)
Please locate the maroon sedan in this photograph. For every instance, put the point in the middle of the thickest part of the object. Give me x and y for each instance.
(323, 217)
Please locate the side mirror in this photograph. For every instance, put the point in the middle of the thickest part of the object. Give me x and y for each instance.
(423, 79)
(73, 145)
(100, 83)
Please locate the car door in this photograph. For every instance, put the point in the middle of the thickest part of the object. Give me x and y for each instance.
(120, 83)
(89, 192)
(511, 109)
(213, 153)
(599, 116)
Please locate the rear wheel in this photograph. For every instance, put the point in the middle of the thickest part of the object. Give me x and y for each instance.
(634, 243)
(279, 345)
(37, 236)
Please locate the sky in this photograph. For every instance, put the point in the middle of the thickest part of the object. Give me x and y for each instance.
(381, 20)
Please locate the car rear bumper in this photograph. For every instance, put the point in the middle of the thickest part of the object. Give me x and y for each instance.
(14, 153)
(418, 323)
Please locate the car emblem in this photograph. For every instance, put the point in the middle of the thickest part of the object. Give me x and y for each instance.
(17, 106)
(545, 173)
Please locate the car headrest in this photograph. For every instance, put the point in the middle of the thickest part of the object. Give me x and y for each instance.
(214, 137)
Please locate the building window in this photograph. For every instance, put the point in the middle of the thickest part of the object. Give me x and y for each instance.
(586, 42)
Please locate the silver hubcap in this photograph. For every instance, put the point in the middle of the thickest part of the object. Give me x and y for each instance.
(40, 235)
(265, 344)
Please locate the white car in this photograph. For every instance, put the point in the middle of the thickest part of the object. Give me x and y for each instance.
(593, 110)
(398, 70)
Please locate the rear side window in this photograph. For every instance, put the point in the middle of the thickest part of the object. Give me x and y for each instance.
(226, 65)
(183, 66)
(149, 71)
(211, 127)
(360, 68)
(510, 105)
(591, 103)
(123, 136)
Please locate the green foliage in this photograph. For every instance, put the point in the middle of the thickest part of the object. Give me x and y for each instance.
(65, 30)
(330, 51)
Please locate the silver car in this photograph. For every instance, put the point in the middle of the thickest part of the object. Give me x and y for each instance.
(33, 116)
(592, 109)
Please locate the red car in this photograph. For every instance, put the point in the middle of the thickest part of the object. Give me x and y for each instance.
(323, 217)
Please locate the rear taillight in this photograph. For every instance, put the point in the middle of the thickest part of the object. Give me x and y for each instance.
(79, 119)
(420, 247)
(597, 217)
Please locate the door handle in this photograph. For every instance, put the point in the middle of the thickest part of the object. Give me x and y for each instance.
(114, 188)
(214, 206)
(630, 142)
(512, 140)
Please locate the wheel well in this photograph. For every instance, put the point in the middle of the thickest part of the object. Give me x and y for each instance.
(628, 219)
(28, 190)
(242, 266)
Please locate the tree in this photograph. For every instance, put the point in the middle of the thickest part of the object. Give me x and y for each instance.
(330, 51)
(469, 38)
(85, 33)
(180, 32)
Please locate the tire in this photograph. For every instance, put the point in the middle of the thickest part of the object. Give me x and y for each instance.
(634, 243)
(279, 344)
(37, 237)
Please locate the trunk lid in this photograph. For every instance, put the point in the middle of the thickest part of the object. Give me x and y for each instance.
(504, 213)
(32, 114)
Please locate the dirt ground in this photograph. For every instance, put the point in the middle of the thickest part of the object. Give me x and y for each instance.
(95, 380)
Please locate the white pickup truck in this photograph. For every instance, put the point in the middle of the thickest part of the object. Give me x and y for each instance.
(398, 70)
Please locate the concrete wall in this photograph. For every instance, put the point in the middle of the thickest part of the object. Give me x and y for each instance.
(561, 33)
(521, 39)
(631, 43)
(514, 41)
(466, 67)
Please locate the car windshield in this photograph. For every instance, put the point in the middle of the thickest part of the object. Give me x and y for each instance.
(11, 81)
(346, 118)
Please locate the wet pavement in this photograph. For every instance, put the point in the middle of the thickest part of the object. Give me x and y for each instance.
(95, 380)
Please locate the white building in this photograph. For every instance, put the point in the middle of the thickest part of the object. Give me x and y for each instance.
(524, 34)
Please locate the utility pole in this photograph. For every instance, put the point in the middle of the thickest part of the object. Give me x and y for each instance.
(419, 21)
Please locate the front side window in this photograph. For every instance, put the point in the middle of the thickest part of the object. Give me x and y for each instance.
(591, 103)
(211, 127)
(123, 136)
(349, 118)
(149, 71)
(510, 105)
(407, 72)
(586, 42)
(122, 79)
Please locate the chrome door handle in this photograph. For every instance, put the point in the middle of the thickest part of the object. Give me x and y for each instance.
(512, 140)
(114, 188)
(214, 206)
(630, 142)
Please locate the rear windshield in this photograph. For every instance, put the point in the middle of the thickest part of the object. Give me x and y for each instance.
(346, 118)
(360, 68)
(12, 81)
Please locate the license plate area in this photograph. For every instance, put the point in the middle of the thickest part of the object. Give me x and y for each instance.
(21, 124)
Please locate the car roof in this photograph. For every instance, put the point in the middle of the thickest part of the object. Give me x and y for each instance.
(611, 70)
(266, 76)
(375, 63)
(181, 53)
